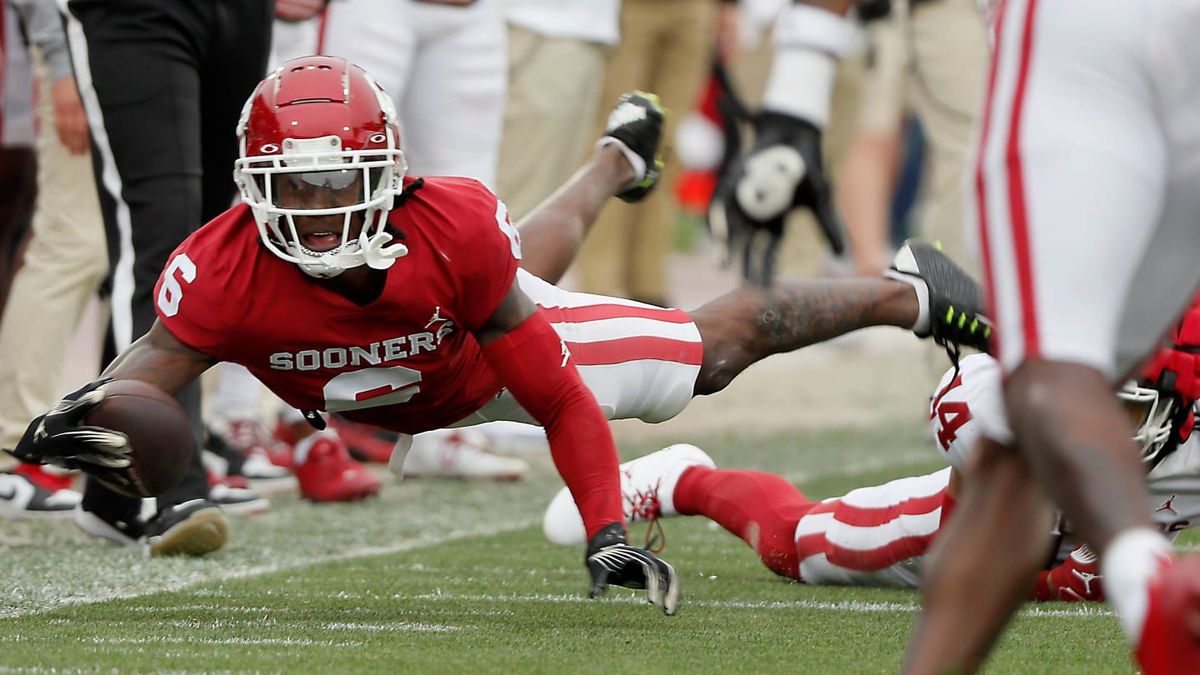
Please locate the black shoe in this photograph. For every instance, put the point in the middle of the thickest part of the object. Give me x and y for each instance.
(21, 497)
(116, 520)
(196, 527)
(952, 299)
(636, 126)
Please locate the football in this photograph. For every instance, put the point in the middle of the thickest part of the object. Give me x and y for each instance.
(160, 436)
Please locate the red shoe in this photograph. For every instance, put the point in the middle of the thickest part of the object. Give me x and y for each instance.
(239, 482)
(38, 475)
(252, 439)
(365, 443)
(1170, 643)
(328, 474)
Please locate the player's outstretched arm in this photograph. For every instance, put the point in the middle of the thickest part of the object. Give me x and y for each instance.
(624, 164)
(61, 434)
(160, 359)
(535, 365)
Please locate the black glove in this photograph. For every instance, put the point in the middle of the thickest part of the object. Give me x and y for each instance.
(784, 170)
(59, 437)
(612, 562)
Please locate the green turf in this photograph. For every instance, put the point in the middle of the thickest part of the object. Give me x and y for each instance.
(485, 602)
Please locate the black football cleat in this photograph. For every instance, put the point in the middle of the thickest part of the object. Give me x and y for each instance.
(635, 125)
(953, 300)
(196, 527)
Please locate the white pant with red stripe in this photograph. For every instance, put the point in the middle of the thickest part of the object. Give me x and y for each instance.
(872, 536)
(640, 361)
(1086, 189)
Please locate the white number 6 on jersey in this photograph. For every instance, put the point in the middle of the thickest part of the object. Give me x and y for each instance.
(171, 292)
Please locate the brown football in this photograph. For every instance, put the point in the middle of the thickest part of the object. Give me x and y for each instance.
(160, 435)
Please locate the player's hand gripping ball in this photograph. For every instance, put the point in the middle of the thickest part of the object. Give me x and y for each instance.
(130, 435)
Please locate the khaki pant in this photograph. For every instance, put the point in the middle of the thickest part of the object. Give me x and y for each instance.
(64, 264)
(554, 87)
(666, 47)
(948, 70)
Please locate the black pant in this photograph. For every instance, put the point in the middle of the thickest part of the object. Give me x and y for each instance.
(167, 82)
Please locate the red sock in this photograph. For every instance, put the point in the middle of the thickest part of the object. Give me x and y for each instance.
(760, 508)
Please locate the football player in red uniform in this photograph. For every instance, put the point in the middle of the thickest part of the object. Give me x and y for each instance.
(346, 286)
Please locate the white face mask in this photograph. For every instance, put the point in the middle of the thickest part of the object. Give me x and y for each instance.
(294, 191)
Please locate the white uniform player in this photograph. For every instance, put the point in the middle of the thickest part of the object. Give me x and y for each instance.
(878, 535)
(965, 403)
(444, 63)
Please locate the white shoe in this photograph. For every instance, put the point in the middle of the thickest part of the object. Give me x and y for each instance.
(23, 498)
(259, 467)
(647, 492)
(239, 500)
(459, 453)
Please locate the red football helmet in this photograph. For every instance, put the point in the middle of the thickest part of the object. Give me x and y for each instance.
(1169, 386)
(319, 137)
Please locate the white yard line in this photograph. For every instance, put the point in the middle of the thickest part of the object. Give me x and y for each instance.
(857, 606)
(231, 573)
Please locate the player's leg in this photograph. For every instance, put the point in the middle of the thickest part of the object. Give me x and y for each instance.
(148, 204)
(682, 480)
(378, 35)
(981, 567)
(553, 232)
(1068, 186)
(760, 508)
(453, 109)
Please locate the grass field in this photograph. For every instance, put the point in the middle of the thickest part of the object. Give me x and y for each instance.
(451, 577)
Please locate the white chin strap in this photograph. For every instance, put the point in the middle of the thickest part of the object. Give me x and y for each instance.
(374, 252)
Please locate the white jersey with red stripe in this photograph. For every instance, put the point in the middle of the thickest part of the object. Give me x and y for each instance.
(878, 535)
(968, 404)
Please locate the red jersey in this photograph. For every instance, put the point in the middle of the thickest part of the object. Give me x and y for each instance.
(406, 361)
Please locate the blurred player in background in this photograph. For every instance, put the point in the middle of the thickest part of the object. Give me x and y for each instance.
(444, 63)
(880, 535)
(60, 269)
(666, 47)
(557, 53)
(164, 140)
